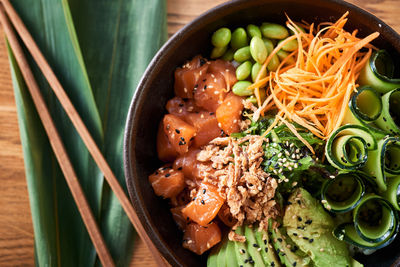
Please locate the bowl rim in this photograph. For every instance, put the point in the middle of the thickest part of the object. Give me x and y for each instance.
(128, 153)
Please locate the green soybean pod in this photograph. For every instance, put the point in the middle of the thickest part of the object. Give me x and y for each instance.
(239, 38)
(221, 37)
(268, 44)
(290, 46)
(218, 51)
(253, 30)
(274, 63)
(255, 70)
(242, 54)
(274, 31)
(228, 56)
(252, 99)
(282, 55)
(243, 71)
(240, 88)
(258, 50)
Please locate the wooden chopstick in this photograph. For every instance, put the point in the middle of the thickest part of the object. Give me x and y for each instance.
(79, 125)
(57, 145)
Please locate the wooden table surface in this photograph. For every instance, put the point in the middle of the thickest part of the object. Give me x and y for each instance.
(16, 232)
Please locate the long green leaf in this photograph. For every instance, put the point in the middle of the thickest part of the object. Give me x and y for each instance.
(49, 22)
(117, 40)
(130, 32)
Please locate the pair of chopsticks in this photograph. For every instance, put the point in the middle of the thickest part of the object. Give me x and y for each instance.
(6, 9)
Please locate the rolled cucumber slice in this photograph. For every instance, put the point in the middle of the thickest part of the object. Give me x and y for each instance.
(364, 108)
(392, 194)
(390, 116)
(375, 219)
(378, 73)
(347, 147)
(343, 193)
(384, 162)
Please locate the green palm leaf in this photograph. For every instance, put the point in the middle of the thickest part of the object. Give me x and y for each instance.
(135, 31)
(99, 66)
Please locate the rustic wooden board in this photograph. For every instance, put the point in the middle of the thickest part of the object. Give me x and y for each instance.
(16, 231)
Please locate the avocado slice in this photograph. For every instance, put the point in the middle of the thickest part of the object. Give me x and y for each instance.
(253, 247)
(288, 254)
(267, 250)
(221, 258)
(310, 227)
(230, 256)
(242, 255)
(212, 258)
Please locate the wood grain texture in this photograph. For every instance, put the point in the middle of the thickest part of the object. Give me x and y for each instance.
(16, 231)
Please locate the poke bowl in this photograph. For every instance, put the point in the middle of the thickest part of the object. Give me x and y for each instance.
(224, 106)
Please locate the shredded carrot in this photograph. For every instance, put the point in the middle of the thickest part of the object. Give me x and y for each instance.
(314, 92)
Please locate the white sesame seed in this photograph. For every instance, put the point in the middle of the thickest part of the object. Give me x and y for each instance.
(324, 201)
(332, 176)
(212, 75)
(321, 249)
(202, 116)
(229, 103)
(215, 80)
(227, 70)
(180, 110)
(185, 90)
(216, 92)
(219, 125)
(294, 183)
(286, 180)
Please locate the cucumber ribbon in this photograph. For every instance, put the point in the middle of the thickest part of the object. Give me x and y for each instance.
(375, 224)
(378, 73)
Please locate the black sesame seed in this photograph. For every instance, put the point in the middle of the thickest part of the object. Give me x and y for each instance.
(191, 138)
(299, 219)
(181, 104)
(211, 113)
(265, 241)
(204, 80)
(384, 119)
(311, 240)
(308, 221)
(204, 191)
(194, 198)
(295, 234)
(256, 245)
(182, 138)
(283, 254)
(243, 251)
(179, 168)
(294, 263)
(177, 131)
(289, 203)
(202, 61)
(251, 261)
(305, 238)
(280, 239)
(278, 250)
(205, 87)
(202, 202)
(167, 175)
(299, 202)
(246, 260)
(266, 250)
(272, 264)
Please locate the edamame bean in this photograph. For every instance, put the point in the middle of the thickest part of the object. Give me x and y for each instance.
(239, 38)
(243, 71)
(240, 88)
(218, 51)
(228, 56)
(282, 55)
(290, 46)
(221, 37)
(274, 31)
(268, 44)
(258, 50)
(242, 54)
(274, 63)
(252, 99)
(253, 30)
(255, 70)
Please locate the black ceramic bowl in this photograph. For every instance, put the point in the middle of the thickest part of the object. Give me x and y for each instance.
(156, 87)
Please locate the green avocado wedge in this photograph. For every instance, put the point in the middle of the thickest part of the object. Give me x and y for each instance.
(267, 250)
(310, 227)
(253, 247)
